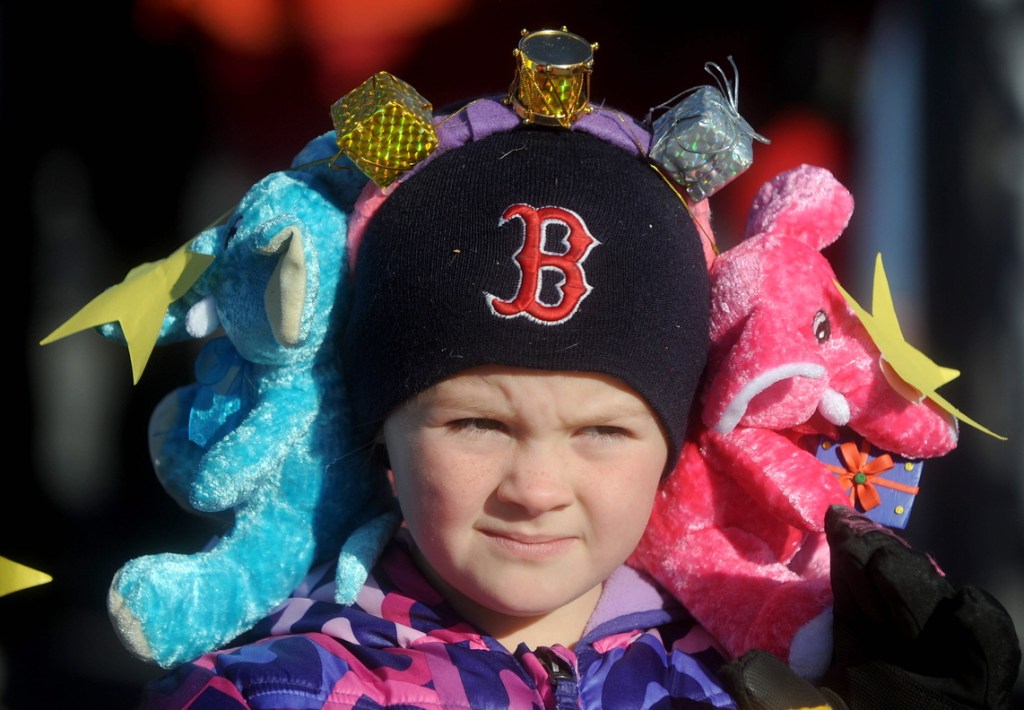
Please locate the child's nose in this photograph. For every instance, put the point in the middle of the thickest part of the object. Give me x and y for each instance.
(536, 481)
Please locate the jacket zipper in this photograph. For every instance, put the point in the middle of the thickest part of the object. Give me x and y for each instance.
(562, 676)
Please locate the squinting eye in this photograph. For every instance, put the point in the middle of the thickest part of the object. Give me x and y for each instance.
(606, 431)
(476, 424)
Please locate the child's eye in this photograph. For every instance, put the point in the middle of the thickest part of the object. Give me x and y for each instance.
(476, 424)
(606, 432)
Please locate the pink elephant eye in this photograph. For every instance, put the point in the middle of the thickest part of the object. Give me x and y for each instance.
(822, 327)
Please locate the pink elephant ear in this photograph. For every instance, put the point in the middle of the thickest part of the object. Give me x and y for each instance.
(806, 203)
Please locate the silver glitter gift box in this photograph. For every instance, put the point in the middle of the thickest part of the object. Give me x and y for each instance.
(702, 142)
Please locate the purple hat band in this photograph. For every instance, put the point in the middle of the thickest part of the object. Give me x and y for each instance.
(483, 117)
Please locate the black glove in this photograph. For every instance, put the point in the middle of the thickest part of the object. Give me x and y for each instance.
(905, 637)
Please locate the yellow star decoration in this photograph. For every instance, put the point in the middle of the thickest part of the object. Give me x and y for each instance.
(910, 365)
(139, 303)
(15, 577)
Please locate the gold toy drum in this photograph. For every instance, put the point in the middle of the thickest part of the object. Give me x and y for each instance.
(552, 85)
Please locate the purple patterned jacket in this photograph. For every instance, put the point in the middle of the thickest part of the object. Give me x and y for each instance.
(402, 646)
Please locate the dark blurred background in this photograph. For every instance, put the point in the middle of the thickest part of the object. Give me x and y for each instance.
(128, 126)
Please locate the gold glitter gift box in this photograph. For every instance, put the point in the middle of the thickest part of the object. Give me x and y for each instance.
(385, 126)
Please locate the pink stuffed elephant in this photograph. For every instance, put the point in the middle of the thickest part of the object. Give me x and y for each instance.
(737, 530)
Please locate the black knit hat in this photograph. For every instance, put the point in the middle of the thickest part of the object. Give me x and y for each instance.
(534, 247)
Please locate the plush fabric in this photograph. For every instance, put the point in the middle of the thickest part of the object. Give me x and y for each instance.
(737, 530)
(261, 439)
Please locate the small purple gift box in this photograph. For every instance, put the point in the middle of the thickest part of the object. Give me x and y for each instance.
(880, 484)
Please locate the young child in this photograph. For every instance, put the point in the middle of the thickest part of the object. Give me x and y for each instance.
(528, 329)
(530, 321)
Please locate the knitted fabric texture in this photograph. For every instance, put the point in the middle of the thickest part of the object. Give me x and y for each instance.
(537, 248)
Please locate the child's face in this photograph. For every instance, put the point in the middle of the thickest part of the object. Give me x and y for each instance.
(524, 489)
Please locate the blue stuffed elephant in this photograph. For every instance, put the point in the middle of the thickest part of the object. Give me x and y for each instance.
(263, 436)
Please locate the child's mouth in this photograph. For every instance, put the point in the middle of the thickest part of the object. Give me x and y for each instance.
(535, 547)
